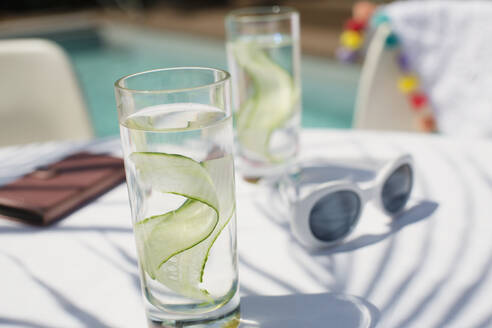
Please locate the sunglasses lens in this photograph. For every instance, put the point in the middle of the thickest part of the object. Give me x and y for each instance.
(397, 189)
(333, 216)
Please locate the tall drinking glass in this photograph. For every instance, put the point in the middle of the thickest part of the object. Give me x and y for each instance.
(264, 60)
(177, 137)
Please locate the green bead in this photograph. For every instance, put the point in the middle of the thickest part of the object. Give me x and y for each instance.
(391, 40)
(379, 18)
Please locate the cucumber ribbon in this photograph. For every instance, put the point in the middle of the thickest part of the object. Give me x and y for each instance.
(270, 105)
(174, 247)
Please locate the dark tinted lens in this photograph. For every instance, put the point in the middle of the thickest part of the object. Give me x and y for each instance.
(334, 214)
(397, 189)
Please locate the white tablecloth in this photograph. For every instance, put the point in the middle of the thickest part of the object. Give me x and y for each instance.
(430, 267)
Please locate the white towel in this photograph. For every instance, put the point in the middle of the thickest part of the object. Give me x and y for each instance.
(449, 45)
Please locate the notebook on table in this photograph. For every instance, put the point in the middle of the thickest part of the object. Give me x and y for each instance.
(51, 192)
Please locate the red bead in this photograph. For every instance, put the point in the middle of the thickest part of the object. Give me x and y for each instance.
(418, 100)
(355, 25)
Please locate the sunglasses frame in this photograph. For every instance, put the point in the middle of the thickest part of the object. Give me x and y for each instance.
(372, 190)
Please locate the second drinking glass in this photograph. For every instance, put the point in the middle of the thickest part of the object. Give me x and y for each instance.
(264, 59)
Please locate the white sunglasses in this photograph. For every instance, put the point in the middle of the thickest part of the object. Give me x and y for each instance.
(325, 213)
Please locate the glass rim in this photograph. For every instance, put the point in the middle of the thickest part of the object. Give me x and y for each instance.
(226, 77)
(261, 13)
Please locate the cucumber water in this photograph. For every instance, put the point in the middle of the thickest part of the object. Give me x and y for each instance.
(184, 205)
(266, 100)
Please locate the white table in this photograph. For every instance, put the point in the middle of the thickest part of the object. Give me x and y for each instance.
(431, 267)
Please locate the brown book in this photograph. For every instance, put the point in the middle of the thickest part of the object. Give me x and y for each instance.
(54, 191)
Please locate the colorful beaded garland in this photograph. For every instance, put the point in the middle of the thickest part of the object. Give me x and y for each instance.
(351, 43)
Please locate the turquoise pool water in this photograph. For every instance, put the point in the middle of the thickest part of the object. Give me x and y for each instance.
(103, 54)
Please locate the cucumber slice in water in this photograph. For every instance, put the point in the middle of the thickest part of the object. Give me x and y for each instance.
(175, 246)
(272, 101)
(176, 174)
(171, 233)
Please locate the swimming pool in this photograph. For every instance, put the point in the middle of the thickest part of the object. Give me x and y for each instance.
(103, 53)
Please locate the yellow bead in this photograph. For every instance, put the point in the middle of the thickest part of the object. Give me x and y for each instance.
(351, 39)
(408, 83)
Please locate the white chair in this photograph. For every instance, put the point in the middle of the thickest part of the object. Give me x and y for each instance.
(379, 104)
(40, 99)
